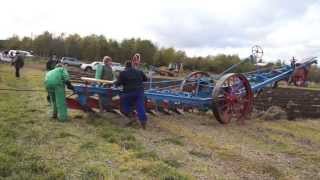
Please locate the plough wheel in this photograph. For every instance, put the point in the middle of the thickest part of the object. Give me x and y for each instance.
(232, 98)
(189, 84)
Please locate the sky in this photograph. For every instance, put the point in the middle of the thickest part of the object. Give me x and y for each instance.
(284, 28)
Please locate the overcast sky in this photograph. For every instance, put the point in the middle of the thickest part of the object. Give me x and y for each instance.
(284, 28)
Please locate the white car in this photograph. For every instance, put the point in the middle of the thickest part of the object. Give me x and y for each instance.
(24, 53)
(93, 66)
(117, 67)
(90, 67)
(5, 58)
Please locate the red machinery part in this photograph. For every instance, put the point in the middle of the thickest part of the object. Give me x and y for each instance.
(299, 77)
(232, 98)
(74, 104)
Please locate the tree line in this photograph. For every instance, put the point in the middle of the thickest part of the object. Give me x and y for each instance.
(94, 47)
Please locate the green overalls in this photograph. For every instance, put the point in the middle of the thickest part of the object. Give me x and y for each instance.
(55, 84)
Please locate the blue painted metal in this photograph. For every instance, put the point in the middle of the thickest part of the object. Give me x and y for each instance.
(202, 97)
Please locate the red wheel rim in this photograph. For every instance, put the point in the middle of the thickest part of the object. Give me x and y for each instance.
(189, 84)
(232, 98)
(300, 77)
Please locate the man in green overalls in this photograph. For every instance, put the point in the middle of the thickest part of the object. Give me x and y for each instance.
(104, 72)
(55, 81)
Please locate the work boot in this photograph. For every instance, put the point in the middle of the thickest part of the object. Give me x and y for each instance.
(54, 116)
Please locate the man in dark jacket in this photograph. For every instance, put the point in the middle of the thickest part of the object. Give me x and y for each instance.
(52, 62)
(133, 92)
(18, 63)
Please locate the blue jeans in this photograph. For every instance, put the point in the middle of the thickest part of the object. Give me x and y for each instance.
(130, 99)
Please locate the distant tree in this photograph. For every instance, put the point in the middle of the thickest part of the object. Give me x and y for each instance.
(147, 50)
(314, 74)
(73, 46)
(58, 45)
(94, 47)
(26, 44)
(128, 48)
(90, 47)
(114, 51)
(13, 43)
(278, 62)
(165, 56)
(42, 44)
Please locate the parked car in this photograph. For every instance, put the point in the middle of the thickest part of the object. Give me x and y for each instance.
(70, 61)
(90, 67)
(117, 67)
(13, 53)
(4, 57)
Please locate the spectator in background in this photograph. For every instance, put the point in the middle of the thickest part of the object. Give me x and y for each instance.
(52, 62)
(293, 62)
(18, 63)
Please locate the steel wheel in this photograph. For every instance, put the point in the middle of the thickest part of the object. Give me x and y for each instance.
(189, 84)
(232, 98)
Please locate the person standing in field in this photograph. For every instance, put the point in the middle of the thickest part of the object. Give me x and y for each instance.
(133, 91)
(18, 63)
(104, 72)
(55, 81)
(50, 65)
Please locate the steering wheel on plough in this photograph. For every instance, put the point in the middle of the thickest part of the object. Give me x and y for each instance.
(257, 52)
(232, 98)
(190, 83)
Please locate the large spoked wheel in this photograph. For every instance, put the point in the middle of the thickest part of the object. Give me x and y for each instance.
(189, 84)
(232, 98)
(257, 51)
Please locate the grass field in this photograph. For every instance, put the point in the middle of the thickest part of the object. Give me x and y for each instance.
(33, 146)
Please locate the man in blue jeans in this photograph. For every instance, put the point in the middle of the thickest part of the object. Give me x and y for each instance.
(133, 92)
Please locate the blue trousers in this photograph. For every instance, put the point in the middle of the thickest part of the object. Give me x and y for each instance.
(135, 98)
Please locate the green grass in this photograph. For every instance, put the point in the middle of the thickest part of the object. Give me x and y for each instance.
(174, 140)
(33, 146)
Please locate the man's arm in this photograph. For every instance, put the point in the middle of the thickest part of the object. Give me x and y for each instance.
(99, 72)
(144, 77)
(119, 81)
(65, 75)
(66, 79)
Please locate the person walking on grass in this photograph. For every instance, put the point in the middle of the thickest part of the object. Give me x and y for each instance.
(55, 81)
(18, 63)
(133, 92)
